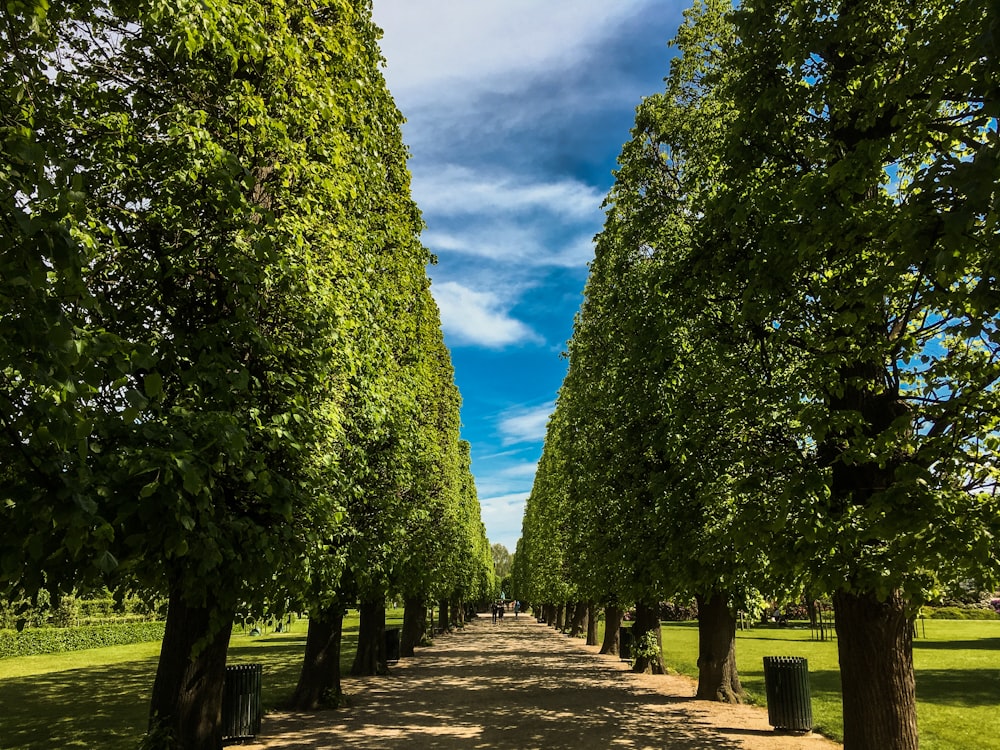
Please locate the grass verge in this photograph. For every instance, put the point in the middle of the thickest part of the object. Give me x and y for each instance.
(98, 698)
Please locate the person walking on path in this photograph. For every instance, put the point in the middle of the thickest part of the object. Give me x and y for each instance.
(526, 686)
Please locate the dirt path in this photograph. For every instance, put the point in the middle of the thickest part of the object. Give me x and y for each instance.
(521, 684)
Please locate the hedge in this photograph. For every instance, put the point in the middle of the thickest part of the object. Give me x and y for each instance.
(34, 641)
(959, 613)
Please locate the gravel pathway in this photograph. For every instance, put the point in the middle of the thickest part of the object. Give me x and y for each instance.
(521, 684)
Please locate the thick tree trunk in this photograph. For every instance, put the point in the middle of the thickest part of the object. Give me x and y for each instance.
(612, 624)
(558, 620)
(874, 640)
(647, 620)
(370, 657)
(443, 615)
(549, 611)
(591, 624)
(578, 623)
(457, 613)
(187, 692)
(319, 680)
(414, 625)
(718, 679)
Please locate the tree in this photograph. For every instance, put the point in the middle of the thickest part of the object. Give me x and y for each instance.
(856, 222)
(203, 170)
(502, 560)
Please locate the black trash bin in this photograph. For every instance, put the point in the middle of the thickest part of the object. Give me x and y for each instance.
(789, 703)
(391, 645)
(241, 710)
(625, 644)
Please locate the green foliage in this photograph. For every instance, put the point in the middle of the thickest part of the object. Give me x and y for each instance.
(57, 640)
(959, 613)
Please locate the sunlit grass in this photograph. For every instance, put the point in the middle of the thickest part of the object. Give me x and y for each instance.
(99, 698)
(957, 666)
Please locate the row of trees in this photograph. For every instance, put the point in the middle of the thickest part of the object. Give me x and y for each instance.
(222, 375)
(783, 377)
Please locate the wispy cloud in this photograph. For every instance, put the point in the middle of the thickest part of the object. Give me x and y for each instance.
(479, 318)
(489, 44)
(454, 191)
(525, 424)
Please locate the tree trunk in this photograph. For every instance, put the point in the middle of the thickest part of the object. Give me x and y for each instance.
(414, 625)
(647, 620)
(591, 623)
(578, 623)
(612, 623)
(457, 613)
(370, 657)
(549, 612)
(874, 640)
(443, 615)
(319, 680)
(718, 679)
(187, 692)
(558, 620)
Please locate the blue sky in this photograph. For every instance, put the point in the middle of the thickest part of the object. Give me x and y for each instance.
(516, 112)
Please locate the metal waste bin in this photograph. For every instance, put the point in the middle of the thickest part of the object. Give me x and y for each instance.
(241, 709)
(391, 645)
(625, 644)
(789, 703)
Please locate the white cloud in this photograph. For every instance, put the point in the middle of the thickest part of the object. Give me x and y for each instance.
(486, 44)
(479, 318)
(453, 191)
(502, 515)
(521, 425)
(524, 470)
(511, 244)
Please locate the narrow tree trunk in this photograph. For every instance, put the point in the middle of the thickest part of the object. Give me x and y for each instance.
(443, 615)
(457, 615)
(718, 679)
(414, 625)
(319, 680)
(874, 640)
(370, 657)
(591, 623)
(647, 620)
(187, 692)
(612, 624)
(549, 612)
(558, 620)
(578, 623)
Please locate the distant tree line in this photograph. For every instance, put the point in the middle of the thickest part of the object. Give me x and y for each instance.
(223, 380)
(783, 377)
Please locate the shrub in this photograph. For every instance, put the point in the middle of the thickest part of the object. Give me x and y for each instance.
(678, 611)
(55, 640)
(959, 613)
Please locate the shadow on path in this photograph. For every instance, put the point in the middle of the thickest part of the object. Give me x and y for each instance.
(513, 684)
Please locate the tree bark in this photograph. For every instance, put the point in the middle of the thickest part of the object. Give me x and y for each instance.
(370, 657)
(443, 615)
(718, 679)
(414, 625)
(549, 612)
(612, 623)
(187, 693)
(875, 644)
(558, 621)
(319, 680)
(457, 613)
(647, 620)
(591, 623)
(578, 623)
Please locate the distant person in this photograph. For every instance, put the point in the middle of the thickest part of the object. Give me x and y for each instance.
(517, 608)
(494, 613)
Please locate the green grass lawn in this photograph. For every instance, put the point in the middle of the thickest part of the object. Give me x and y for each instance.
(957, 667)
(98, 698)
